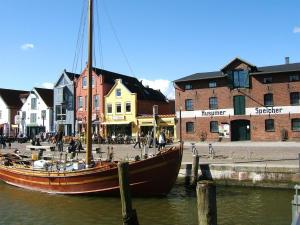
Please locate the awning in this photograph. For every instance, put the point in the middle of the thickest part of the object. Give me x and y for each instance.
(116, 122)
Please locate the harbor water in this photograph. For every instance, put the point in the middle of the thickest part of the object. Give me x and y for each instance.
(236, 206)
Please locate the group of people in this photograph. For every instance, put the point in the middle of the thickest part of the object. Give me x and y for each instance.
(148, 139)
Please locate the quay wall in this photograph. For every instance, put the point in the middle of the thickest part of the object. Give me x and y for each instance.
(252, 175)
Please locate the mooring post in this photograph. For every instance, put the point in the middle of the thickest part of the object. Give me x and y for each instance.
(129, 214)
(206, 202)
(195, 169)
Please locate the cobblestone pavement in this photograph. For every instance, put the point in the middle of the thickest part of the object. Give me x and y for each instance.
(269, 153)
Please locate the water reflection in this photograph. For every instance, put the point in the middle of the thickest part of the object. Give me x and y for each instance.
(235, 206)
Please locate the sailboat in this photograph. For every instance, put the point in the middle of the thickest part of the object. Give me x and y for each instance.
(147, 177)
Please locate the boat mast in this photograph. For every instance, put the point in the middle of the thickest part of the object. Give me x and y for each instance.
(89, 84)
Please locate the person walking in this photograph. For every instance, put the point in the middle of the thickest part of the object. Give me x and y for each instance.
(137, 140)
(59, 141)
(161, 140)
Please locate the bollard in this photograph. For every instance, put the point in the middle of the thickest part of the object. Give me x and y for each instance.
(188, 174)
(195, 169)
(129, 214)
(206, 203)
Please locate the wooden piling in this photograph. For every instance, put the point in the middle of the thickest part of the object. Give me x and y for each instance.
(206, 202)
(195, 169)
(129, 214)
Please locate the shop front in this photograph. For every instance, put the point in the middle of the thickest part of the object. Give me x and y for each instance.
(163, 122)
(118, 128)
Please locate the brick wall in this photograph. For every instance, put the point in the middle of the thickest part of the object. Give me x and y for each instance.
(200, 93)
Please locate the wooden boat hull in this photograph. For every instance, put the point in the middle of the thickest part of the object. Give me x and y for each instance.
(150, 177)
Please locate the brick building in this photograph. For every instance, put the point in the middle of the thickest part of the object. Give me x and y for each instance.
(102, 82)
(241, 102)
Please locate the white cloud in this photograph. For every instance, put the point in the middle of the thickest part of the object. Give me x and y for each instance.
(27, 46)
(296, 29)
(47, 85)
(165, 86)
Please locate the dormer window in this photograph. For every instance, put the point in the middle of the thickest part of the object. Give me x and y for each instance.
(239, 79)
(188, 87)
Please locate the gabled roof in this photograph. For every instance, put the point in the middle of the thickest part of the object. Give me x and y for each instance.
(282, 68)
(12, 98)
(46, 95)
(235, 60)
(70, 75)
(202, 76)
(133, 85)
(292, 67)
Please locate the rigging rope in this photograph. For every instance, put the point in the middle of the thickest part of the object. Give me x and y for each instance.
(117, 38)
(77, 48)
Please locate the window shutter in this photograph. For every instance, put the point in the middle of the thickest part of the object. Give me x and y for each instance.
(247, 78)
(230, 79)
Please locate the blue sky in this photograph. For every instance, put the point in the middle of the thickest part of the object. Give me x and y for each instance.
(163, 39)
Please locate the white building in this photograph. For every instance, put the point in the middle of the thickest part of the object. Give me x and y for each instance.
(11, 102)
(37, 112)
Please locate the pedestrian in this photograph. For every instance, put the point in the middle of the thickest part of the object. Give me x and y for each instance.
(59, 140)
(137, 140)
(161, 140)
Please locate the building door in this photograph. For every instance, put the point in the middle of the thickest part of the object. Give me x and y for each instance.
(239, 105)
(240, 130)
(68, 129)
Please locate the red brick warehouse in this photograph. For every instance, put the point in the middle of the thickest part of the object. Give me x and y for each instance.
(241, 102)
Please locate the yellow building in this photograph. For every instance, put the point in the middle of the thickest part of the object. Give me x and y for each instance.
(120, 111)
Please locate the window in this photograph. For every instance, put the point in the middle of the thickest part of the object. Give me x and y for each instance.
(268, 80)
(188, 87)
(43, 114)
(23, 115)
(239, 79)
(33, 118)
(239, 105)
(213, 103)
(0, 114)
(86, 102)
(214, 127)
(60, 92)
(128, 107)
(60, 112)
(189, 105)
(33, 103)
(295, 98)
(118, 107)
(296, 124)
(84, 82)
(212, 84)
(268, 100)
(96, 101)
(294, 77)
(118, 93)
(93, 81)
(269, 125)
(189, 127)
(109, 108)
(80, 102)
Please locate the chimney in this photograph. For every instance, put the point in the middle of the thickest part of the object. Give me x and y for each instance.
(287, 60)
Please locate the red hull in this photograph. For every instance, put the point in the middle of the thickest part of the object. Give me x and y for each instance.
(153, 176)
